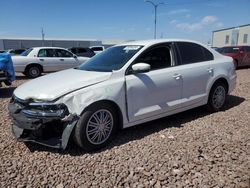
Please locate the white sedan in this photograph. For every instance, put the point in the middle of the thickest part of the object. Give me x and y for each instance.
(123, 86)
(34, 61)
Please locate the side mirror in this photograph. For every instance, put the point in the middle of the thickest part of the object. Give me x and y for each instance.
(75, 56)
(141, 67)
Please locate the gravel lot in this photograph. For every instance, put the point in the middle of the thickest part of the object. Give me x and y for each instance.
(190, 149)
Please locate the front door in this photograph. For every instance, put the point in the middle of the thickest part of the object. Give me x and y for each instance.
(66, 59)
(157, 91)
(47, 58)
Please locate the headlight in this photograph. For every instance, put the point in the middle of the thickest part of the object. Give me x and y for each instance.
(42, 110)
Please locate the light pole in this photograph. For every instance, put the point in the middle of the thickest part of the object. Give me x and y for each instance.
(155, 7)
(43, 34)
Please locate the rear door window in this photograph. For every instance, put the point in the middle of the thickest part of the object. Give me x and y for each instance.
(193, 53)
(46, 53)
(63, 53)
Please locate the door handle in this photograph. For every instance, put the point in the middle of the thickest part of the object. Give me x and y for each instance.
(41, 59)
(210, 70)
(177, 76)
(61, 59)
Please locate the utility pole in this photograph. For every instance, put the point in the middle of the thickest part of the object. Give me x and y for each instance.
(43, 34)
(155, 9)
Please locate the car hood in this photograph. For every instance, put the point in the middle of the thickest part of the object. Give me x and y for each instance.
(52, 86)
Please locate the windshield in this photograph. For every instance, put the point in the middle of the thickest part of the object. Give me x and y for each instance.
(25, 53)
(229, 50)
(113, 58)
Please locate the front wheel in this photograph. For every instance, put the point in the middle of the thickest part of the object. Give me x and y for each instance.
(217, 97)
(96, 127)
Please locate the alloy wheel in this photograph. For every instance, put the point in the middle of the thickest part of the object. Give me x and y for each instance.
(219, 96)
(99, 126)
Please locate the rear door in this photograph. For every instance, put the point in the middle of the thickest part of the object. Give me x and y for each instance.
(195, 70)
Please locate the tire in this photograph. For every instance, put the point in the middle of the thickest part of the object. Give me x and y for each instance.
(90, 132)
(217, 97)
(33, 71)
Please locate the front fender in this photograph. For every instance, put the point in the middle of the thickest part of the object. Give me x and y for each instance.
(109, 90)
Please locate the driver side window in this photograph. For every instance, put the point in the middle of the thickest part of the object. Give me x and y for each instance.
(157, 58)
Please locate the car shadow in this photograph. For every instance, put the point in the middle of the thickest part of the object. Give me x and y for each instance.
(6, 92)
(22, 77)
(243, 67)
(140, 131)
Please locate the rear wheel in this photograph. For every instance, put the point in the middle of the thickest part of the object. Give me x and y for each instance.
(217, 97)
(33, 71)
(96, 127)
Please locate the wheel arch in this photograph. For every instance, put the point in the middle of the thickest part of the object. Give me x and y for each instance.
(111, 103)
(220, 79)
(33, 64)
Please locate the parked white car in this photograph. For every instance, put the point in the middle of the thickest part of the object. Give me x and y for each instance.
(34, 61)
(126, 85)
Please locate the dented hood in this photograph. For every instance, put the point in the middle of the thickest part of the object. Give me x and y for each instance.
(52, 86)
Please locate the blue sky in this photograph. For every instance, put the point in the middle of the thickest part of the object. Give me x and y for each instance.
(120, 19)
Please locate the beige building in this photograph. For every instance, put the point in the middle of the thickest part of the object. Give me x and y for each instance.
(232, 36)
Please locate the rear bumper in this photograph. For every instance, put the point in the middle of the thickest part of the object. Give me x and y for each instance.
(51, 132)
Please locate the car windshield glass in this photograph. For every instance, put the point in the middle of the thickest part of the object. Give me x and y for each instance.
(113, 58)
(25, 53)
(229, 50)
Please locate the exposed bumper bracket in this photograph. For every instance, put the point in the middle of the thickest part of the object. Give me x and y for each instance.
(55, 142)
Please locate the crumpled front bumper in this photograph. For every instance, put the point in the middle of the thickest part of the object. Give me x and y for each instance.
(51, 132)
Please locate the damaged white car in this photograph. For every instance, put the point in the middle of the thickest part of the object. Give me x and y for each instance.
(126, 85)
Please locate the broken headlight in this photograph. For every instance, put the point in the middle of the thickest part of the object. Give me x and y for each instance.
(43, 110)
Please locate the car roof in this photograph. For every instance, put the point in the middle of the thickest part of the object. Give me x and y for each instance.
(79, 47)
(38, 48)
(235, 46)
(156, 41)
